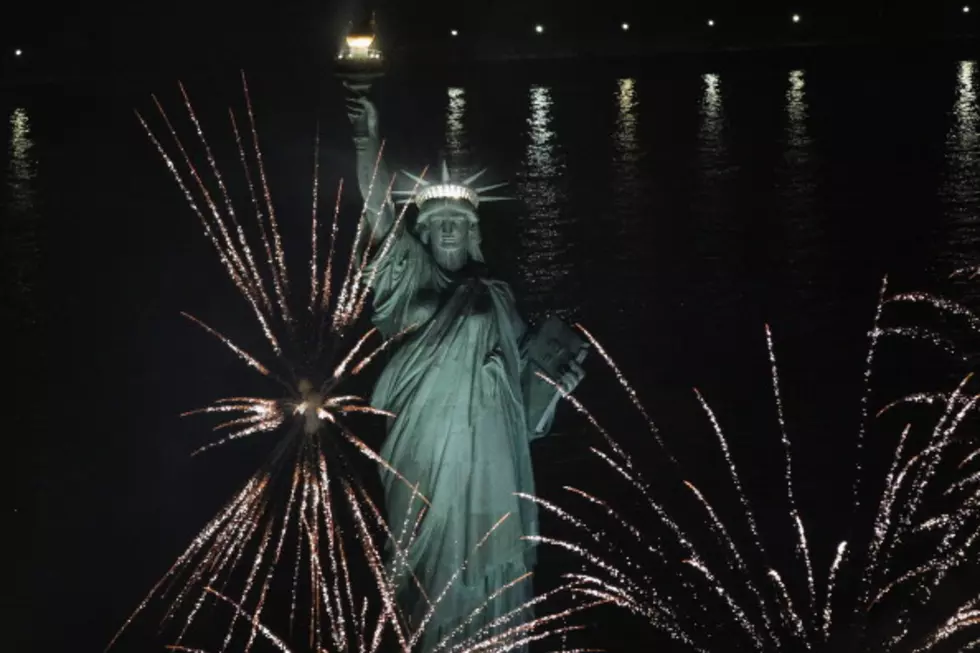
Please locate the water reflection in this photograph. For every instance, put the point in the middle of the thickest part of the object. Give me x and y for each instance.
(626, 156)
(19, 231)
(20, 167)
(796, 110)
(718, 227)
(712, 120)
(541, 160)
(801, 223)
(965, 109)
(624, 211)
(961, 190)
(712, 153)
(457, 148)
(542, 260)
(625, 138)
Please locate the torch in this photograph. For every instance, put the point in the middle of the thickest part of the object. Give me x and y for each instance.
(360, 60)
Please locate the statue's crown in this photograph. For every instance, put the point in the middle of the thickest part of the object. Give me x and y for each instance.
(447, 189)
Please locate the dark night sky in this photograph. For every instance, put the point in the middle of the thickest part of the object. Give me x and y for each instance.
(132, 32)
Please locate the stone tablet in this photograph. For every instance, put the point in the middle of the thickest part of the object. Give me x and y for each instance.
(549, 348)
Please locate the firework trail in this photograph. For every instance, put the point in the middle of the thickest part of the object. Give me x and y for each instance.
(941, 304)
(918, 510)
(293, 496)
(972, 272)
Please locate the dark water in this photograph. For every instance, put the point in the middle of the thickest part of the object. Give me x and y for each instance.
(674, 211)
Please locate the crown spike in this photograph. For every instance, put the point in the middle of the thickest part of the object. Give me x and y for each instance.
(417, 180)
(470, 180)
(491, 187)
(447, 189)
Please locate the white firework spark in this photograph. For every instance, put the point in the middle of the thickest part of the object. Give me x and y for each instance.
(763, 615)
(940, 303)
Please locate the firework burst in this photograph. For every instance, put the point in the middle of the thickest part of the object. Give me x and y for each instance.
(291, 506)
(923, 532)
(313, 350)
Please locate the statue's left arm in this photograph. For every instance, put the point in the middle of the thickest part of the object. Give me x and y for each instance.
(540, 397)
(539, 408)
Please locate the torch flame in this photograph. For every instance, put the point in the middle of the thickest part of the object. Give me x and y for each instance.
(360, 42)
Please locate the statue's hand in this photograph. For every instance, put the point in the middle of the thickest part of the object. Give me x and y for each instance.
(571, 376)
(363, 115)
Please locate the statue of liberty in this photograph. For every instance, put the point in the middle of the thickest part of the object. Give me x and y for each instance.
(458, 385)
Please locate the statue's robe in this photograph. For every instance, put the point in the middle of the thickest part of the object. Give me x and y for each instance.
(461, 434)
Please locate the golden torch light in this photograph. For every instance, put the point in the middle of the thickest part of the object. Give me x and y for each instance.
(360, 60)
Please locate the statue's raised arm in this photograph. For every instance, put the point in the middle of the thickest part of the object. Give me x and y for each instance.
(379, 211)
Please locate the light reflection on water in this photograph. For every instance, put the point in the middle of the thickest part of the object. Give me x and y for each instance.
(457, 147)
(712, 150)
(625, 138)
(960, 192)
(21, 164)
(624, 213)
(716, 229)
(626, 148)
(804, 227)
(712, 121)
(542, 260)
(19, 231)
(797, 112)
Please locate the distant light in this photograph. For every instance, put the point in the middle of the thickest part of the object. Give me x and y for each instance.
(626, 27)
(539, 28)
(796, 18)
(711, 23)
(454, 32)
(18, 52)
(966, 9)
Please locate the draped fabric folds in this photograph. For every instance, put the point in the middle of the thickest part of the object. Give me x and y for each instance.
(461, 435)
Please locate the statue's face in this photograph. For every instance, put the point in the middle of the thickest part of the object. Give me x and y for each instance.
(449, 235)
